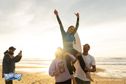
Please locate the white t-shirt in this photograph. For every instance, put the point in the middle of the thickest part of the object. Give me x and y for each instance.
(89, 61)
(60, 66)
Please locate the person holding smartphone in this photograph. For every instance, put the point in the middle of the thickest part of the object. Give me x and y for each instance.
(9, 60)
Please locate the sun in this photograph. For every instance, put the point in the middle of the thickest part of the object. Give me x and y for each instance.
(43, 46)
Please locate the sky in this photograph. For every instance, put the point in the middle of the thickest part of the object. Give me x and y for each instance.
(31, 26)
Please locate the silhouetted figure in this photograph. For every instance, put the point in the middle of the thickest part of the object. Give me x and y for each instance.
(8, 64)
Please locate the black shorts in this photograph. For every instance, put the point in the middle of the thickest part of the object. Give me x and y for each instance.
(65, 82)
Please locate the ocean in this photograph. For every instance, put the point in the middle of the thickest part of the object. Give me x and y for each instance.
(113, 67)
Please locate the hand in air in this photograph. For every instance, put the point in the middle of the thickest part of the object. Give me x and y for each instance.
(55, 12)
(77, 14)
(20, 53)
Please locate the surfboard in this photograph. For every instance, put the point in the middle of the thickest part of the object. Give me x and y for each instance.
(77, 43)
(77, 46)
(12, 76)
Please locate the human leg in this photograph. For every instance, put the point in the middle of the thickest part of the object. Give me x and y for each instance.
(8, 82)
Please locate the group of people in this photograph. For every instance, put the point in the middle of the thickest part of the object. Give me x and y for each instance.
(69, 63)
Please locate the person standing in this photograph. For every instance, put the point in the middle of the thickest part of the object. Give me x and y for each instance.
(80, 75)
(8, 64)
(58, 68)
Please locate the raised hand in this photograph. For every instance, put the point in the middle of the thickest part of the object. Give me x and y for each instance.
(55, 12)
(20, 53)
(77, 14)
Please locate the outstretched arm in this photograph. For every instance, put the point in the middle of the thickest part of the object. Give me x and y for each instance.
(77, 22)
(59, 21)
(18, 57)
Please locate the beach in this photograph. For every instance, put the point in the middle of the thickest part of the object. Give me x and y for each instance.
(44, 78)
(31, 78)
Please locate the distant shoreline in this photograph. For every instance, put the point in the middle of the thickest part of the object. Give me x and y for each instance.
(44, 78)
(111, 67)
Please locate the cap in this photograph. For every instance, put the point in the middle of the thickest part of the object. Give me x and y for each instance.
(12, 48)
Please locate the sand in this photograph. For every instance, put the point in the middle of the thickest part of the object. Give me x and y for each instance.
(44, 78)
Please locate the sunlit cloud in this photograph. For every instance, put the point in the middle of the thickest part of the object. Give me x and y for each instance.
(31, 25)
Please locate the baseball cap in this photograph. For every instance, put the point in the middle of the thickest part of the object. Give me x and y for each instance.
(12, 48)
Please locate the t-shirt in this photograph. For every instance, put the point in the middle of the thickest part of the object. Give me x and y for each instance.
(60, 66)
(89, 61)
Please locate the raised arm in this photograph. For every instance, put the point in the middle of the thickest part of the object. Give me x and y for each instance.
(77, 22)
(59, 21)
(18, 57)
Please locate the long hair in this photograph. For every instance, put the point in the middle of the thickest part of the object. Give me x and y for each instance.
(59, 52)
